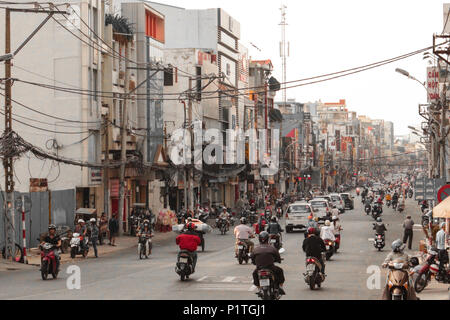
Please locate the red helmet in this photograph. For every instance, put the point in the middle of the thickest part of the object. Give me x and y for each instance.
(263, 215)
(311, 230)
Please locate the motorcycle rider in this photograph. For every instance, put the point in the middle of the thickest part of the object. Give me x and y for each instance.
(334, 210)
(274, 228)
(93, 235)
(224, 215)
(243, 233)
(379, 227)
(313, 246)
(54, 240)
(189, 241)
(82, 230)
(145, 230)
(395, 198)
(264, 256)
(398, 253)
(262, 222)
(326, 232)
(337, 228)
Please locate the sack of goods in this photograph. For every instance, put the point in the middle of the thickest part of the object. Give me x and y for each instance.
(200, 226)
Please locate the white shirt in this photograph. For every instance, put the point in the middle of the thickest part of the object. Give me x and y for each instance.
(326, 232)
(440, 239)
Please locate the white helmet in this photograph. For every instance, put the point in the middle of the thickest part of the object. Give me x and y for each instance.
(92, 220)
(80, 221)
(334, 218)
(327, 223)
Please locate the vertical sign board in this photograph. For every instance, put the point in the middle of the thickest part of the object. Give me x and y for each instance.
(433, 84)
(427, 189)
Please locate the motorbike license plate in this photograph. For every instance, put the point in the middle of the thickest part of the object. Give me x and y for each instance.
(183, 260)
(327, 247)
(264, 282)
(273, 240)
(240, 247)
(310, 267)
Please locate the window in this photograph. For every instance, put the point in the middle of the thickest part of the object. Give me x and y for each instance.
(199, 83)
(94, 83)
(168, 76)
(228, 69)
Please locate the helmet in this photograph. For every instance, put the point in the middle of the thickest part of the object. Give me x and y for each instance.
(316, 219)
(263, 215)
(327, 222)
(52, 226)
(311, 230)
(243, 220)
(397, 246)
(190, 226)
(92, 220)
(274, 219)
(334, 218)
(263, 237)
(80, 221)
(379, 219)
(310, 217)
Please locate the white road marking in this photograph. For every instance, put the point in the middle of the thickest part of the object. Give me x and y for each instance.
(202, 278)
(370, 239)
(253, 288)
(228, 279)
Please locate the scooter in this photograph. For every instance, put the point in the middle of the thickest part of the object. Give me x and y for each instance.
(275, 240)
(76, 247)
(313, 277)
(145, 246)
(379, 241)
(367, 208)
(267, 283)
(329, 246)
(398, 279)
(49, 263)
(243, 252)
(184, 266)
(429, 269)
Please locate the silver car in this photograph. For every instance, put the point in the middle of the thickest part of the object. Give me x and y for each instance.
(297, 216)
(321, 208)
(338, 202)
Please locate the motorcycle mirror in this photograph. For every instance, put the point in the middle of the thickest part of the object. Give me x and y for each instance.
(282, 250)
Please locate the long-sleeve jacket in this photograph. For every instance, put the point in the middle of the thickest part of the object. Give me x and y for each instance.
(326, 232)
(265, 255)
(274, 228)
(313, 246)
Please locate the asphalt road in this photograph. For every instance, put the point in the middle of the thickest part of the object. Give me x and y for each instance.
(219, 276)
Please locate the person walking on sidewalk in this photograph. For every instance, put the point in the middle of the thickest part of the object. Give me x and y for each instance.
(94, 231)
(113, 229)
(440, 245)
(408, 225)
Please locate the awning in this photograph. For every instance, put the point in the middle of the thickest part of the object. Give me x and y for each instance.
(442, 210)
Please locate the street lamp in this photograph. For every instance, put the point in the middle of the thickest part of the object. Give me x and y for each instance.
(406, 74)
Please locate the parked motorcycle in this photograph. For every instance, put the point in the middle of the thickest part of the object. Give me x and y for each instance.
(184, 266)
(76, 247)
(430, 268)
(329, 246)
(49, 263)
(144, 246)
(379, 241)
(313, 277)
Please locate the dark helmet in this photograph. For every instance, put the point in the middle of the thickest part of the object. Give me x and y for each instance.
(397, 246)
(273, 219)
(311, 230)
(264, 237)
(243, 220)
(379, 219)
(52, 226)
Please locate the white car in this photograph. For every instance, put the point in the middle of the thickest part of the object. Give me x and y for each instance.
(297, 216)
(338, 202)
(321, 208)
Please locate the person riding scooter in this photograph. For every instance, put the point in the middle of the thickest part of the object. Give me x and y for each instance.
(189, 241)
(274, 229)
(379, 227)
(398, 254)
(243, 233)
(146, 231)
(264, 256)
(313, 246)
(54, 240)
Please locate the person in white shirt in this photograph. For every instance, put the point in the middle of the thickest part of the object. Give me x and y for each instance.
(326, 232)
(243, 233)
(441, 239)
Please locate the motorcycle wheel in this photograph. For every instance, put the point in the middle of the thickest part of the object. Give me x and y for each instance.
(240, 259)
(421, 282)
(328, 256)
(85, 253)
(44, 270)
(203, 244)
(312, 282)
(266, 295)
(55, 274)
(72, 252)
(140, 251)
(379, 248)
(182, 276)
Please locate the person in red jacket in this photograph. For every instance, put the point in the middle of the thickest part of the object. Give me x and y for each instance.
(188, 241)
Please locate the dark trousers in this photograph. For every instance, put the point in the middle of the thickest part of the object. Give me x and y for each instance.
(94, 245)
(277, 271)
(408, 237)
(443, 259)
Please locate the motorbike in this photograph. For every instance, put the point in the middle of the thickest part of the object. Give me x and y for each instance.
(379, 241)
(410, 193)
(329, 245)
(275, 240)
(184, 266)
(279, 212)
(388, 203)
(49, 263)
(401, 207)
(377, 210)
(313, 277)
(424, 207)
(144, 246)
(337, 242)
(243, 252)
(222, 225)
(268, 213)
(398, 279)
(203, 215)
(367, 208)
(76, 247)
(429, 269)
(394, 204)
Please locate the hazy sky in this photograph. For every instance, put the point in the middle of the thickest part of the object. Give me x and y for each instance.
(327, 36)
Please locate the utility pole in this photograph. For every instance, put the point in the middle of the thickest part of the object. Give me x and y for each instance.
(106, 168)
(9, 224)
(123, 145)
(191, 138)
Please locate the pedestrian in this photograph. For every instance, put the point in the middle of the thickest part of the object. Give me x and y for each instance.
(440, 245)
(94, 231)
(408, 225)
(103, 228)
(113, 229)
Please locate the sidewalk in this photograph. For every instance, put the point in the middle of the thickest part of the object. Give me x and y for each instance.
(14, 266)
(435, 291)
(122, 243)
